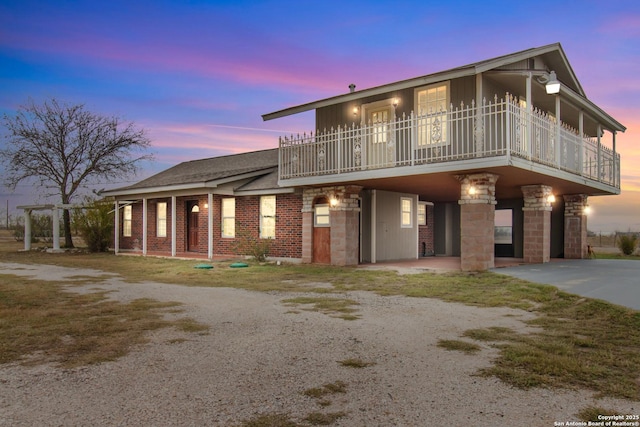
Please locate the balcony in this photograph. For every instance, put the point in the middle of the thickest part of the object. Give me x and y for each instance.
(500, 128)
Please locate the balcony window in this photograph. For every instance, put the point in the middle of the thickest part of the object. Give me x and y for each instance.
(431, 110)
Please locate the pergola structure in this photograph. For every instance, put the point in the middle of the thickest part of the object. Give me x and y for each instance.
(55, 214)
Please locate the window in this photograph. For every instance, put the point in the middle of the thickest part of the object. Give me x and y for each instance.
(422, 214)
(406, 213)
(126, 221)
(503, 231)
(229, 217)
(268, 217)
(161, 219)
(431, 111)
(321, 216)
(379, 125)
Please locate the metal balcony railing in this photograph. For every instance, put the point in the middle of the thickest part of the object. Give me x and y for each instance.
(500, 127)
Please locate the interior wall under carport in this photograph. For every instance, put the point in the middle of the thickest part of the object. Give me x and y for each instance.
(447, 227)
(446, 224)
(557, 229)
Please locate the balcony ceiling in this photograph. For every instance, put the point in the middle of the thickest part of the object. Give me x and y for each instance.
(444, 187)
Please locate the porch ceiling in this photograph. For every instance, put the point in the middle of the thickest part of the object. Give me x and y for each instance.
(444, 186)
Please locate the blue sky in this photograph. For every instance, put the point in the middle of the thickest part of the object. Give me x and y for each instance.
(198, 75)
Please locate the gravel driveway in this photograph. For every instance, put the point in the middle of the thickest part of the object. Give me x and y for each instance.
(259, 357)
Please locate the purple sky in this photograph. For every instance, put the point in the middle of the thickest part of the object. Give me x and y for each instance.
(197, 75)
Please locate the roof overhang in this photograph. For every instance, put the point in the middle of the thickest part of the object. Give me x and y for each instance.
(182, 188)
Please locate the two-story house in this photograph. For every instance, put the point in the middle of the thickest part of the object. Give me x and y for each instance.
(495, 158)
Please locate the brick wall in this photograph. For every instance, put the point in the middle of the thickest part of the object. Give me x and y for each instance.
(425, 235)
(287, 243)
(288, 240)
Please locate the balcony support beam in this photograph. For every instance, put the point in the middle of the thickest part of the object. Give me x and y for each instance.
(537, 223)
(477, 221)
(575, 226)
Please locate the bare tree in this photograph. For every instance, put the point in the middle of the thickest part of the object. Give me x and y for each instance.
(65, 148)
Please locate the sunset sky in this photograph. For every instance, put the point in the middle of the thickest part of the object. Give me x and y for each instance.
(198, 75)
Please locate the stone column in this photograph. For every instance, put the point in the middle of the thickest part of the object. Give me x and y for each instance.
(537, 223)
(575, 226)
(345, 220)
(477, 221)
(307, 236)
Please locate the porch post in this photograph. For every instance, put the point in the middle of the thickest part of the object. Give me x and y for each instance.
(537, 223)
(145, 227)
(116, 226)
(210, 226)
(27, 229)
(173, 226)
(477, 221)
(575, 226)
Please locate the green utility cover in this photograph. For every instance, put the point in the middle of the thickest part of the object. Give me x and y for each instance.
(239, 265)
(204, 266)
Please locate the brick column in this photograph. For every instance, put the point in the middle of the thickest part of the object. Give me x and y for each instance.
(477, 221)
(344, 223)
(345, 218)
(307, 236)
(575, 226)
(537, 223)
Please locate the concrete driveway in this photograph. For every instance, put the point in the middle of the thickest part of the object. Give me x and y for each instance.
(616, 281)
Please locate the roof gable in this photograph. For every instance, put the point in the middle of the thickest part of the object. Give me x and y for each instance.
(553, 55)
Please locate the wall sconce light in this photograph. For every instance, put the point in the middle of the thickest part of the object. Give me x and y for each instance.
(553, 85)
(551, 198)
(206, 205)
(356, 110)
(586, 210)
(396, 101)
(333, 202)
(472, 190)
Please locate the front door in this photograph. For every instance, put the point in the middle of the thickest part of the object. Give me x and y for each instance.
(379, 137)
(193, 210)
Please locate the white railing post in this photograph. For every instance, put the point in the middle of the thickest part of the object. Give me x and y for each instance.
(507, 115)
(599, 155)
(413, 132)
(582, 146)
(558, 150)
(339, 155)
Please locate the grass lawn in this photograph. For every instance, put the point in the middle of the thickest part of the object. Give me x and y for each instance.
(583, 343)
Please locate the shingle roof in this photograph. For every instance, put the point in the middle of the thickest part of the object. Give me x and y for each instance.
(207, 170)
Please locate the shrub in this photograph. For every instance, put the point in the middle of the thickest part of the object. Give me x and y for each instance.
(248, 244)
(95, 224)
(627, 243)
